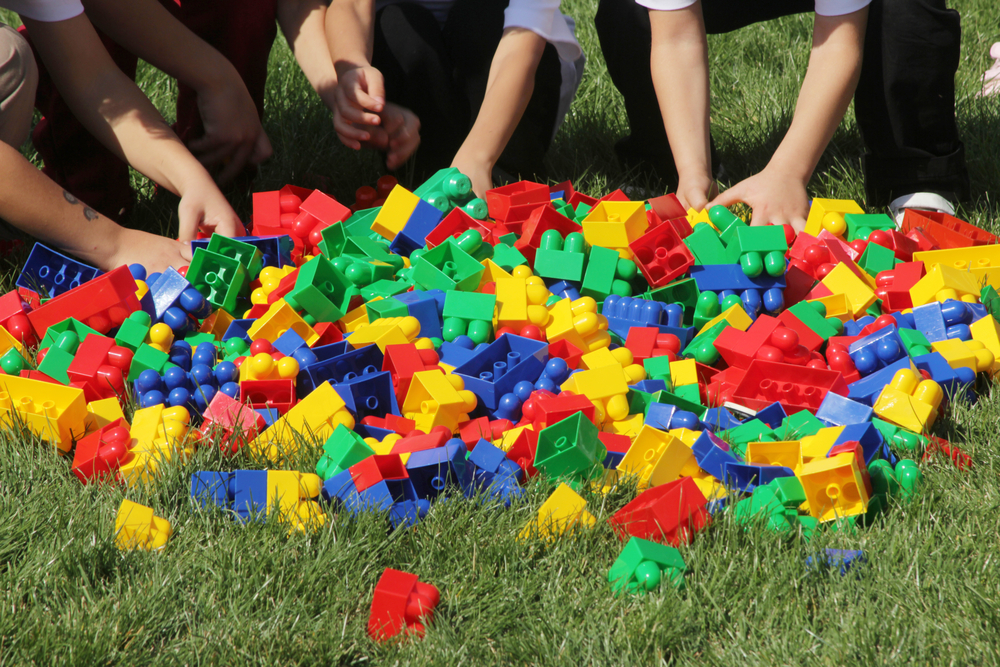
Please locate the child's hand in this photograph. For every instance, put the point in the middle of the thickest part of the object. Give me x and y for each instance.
(359, 99)
(480, 172)
(233, 133)
(774, 198)
(203, 208)
(694, 192)
(153, 251)
(402, 128)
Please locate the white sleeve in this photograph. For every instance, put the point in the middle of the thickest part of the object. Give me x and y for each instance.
(542, 17)
(49, 11)
(667, 4)
(839, 7)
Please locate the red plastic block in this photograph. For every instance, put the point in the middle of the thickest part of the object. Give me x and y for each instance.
(647, 342)
(893, 287)
(807, 337)
(99, 455)
(402, 361)
(276, 394)
(795, 387)
(522, 452)
(455, 224)
(516, 201)
(855, 448)
(102, 366)
(661, 255)
(418, 441)
(945, 230)
(233, 421)
(541, 220)
(961, 460)
(14, 318)
(391, 422)
(669, 207)
(670, 513)
(102, 303)
(550, 409)
(902, 247)
(615, 442)
(566, 351)
(377, 468)
(739, 348)
(401, 603)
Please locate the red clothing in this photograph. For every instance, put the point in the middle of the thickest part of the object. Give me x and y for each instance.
(241, 30)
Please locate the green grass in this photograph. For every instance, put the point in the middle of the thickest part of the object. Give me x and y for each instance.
(224, 593)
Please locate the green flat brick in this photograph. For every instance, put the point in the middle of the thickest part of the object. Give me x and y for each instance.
(386, 307)
(706, 246)
(559, 264)
(876, 259)
(507, 257)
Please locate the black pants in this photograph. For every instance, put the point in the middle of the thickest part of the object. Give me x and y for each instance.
(904, 104)
(441, 74)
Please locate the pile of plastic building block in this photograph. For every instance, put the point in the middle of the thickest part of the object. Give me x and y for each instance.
(430, 343)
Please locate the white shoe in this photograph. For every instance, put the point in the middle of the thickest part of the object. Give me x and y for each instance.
(920, 201)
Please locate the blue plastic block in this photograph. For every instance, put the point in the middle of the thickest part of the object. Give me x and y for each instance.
(51, 273)
(366, 431)
(854, 327)
(746, 477)
(612, 459)
(772, 415)
(342, 368)
(624, 312)
(172, 290)
(238, 329)
(650, 386)
(421, 222)
(493, 371)
(369, 395)
(431, 471)
(275, 250)
(288, 342)
(506, 489)
(842, 559)
(659, 415)
(929, 321)
(324, 352)
(270, 415)
(565, 289)
(376, 498)
(866, 390)
(458, 353)
(486, 456)
(877, 350)
(406, 513)
(211, 488)
(867, 435)
(713, 455)
(719, 419)
(837, 410)
(954, 381)
(340, 488)
(427, 307)
(721, 277)
(248, 489)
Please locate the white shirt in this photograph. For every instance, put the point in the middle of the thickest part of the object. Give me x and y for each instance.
(49, 11)
(823, 7)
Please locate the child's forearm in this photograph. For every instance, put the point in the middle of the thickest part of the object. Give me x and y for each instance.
(508, 91)
(111, 107)
(679, 64)
(350, 28)
(834, 68)
(304, 24)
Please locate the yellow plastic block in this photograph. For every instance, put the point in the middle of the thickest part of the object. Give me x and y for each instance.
(491, 274)
(834, 487)
(607, 482)
(54, 413)
(816, 446)
(786, 453)
(562, 513)
(291, 495)
(699, 217)
(971, 354)
(629, 426)
(615, 224)
(685, 435)
(606, 387)
(836, 306)
(395, 212)
(521, 301)
(103, 412)
(735, 316)
(841, 280)
(910, 402)
(986, 330)
(158, 432)
(141, 289)
(655, 458)
(944, 282)
(354, 319)
(983, 262)
(711, 488)
(217, 323)
(314, 418)
(683, 372)
(278, 319)
(509, 437)
(137, 528)
(386, 331)
(7, 342)
(579, 323)
(437, 399)
(829, 214)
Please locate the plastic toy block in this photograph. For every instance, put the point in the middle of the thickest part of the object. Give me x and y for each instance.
(453, 225)
(910, 402)
(99, 454)
(507, 257)
(860, 225)
(642, 565)
(578, 323)
(837, 410)
(796, 388)
(494, 370)
(232, 422)
(607, 274)
(787, 454)
(564, 512)
(137, 528)
(542, 219)
(945, 230)
(661, 255)
(50, 273)
(433, 471)
(437, 399)
(569, 448)
(279, 318)
(315, 417)
(805, 317)
(245, 253)
(521, 302)
(449, 188)
(758, 250)
(606, 387)
(960, 354)
(705, 246)
(834, 487)
(986, 330)
(102, 304)
(147, 358)
(612, 224)
(841, 280)
(515, 202)
(655, 458)
(384, 332)
(829, 215)
(838, 559)
(157, 433)
(877, 350)
(401, 604)
(447, 267)
(468, 313)
(721, 277)
(395, 212)
(944, 282)
(100, 367)
(172, 290)
(321, 291)
(671, 514)
(876, 259)
(291, 498)
(134, 330)
(54, 413)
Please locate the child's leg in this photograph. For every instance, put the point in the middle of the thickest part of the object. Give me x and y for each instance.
(409, 52)
(73, 157)
(471, 35)
(905, 102)
(18, 81)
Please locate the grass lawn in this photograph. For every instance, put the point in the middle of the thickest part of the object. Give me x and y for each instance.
(222, 593)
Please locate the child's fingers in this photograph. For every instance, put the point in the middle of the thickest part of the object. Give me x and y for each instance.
(213, 156)
(731, 196)
(353, 113)
(262, 149)
(236, 164)
(350, 135)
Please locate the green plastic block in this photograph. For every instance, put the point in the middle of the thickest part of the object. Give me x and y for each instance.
(813, 315)
(991, 300)
(639, 401)
(702, 347)
(706, 246)
(876, 259)
(582, 210)
(449, 188)
(683, 292)
(507, 257)
(915, 342)
(658, 368)
(12, 363)
(322, 292)
(60, 356)
(564, 208)
(471, 242)
(758, 249)
(133, 331)
(361, 273)
(469, 305)
(690, 393)
(559, 265)
(681, 401)
(902, 441)
(359, 224)
(148, 358)
(365, 247)
(447, 267)
(799, 425)
(509, 239)
(706, 310)
(334, 240)
(220, 279)
(76, 326)
(384, 289)
(607, 273)
(570, 448)
(386, 308)
(860, 225)
(642, 565)
(788, 491)
(244, 253)
(341, 450)
(752, 431)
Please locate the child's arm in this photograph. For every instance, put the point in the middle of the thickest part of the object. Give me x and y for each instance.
(304, 25)
(113, 109)
(778, 193)
(508, 91)
(679, 64)
(30, 201)
(233, 133)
